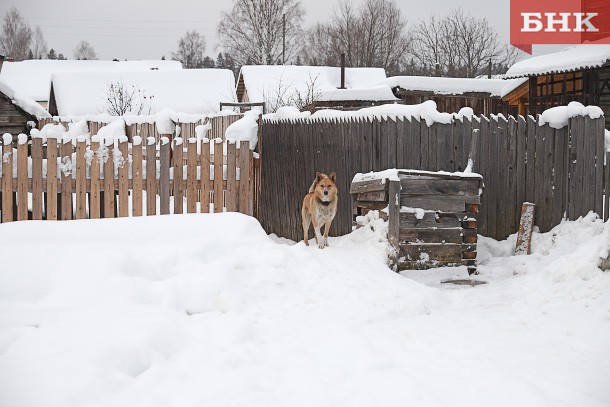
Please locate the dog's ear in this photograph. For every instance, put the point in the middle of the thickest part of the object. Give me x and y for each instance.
(333, 176)
(318, 176)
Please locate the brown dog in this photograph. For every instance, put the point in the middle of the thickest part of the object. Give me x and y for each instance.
(320, 207)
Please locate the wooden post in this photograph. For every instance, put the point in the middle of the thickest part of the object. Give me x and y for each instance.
(109, 180)
(22, 178)
(191, 176)
(178, 175)
(218, 158)
(474, 142)
(37, 178)
(94, 194)
(231, 177)
(526, 225)
(151, 176)
(136, 175)
(205, 176)
(244, 176)
(124, 179)
(81, 179)
(394, 218)
(51, 179)
(164, 190)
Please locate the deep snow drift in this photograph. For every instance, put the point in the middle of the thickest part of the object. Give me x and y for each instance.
(207, 310)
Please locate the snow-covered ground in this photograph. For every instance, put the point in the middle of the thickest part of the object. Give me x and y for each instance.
(207, 310)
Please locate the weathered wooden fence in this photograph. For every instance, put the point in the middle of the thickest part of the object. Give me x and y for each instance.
(60, 180)
(218, 126)
(561, 170)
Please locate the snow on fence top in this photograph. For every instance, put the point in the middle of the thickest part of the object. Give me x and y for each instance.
(33, 77)
(392, 174)
(583, 56)
(424, 111)
(24, 102)
(448, 86)
(192, 91)
(267, 83)
(558, 117)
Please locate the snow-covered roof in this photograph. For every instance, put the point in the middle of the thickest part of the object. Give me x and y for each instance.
(583, 56)
(33, 77)
(265, 82)
(374, 93)
(512, 85)
(447, 86)
(194, 91)
(29, 105)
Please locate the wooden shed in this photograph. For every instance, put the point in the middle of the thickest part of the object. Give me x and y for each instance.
(580, 73)
(17, 114)
(431, 215)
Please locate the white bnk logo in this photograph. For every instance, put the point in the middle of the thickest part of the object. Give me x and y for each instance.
(532, 22)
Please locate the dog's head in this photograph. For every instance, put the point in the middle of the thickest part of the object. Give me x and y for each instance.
(325, 187)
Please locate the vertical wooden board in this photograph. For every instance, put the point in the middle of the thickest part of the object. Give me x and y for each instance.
(151, 179)
(178, 176)
(7, 182)
(204, 191)
(513, 205)
(393, 214)
(521, 148)
(109, 183)
(444, 148)
(559, 174)
(400, 151)
(218, 170)
(433, 141)
(81, 180)
(607, 187)
(600, 152)
(392, 142)
(52, 180)
(424, 163)
(492, 184)
(547, 217)
(482, 167)
(244, 177)
(530, 159)
(94, 194)
(416, 150)
(124, 179)
(22, 181)
(191, 177)
(231, 177)
(580, 201)
(164, 187)
(457, 150)
(37, 178)
(588, 167)
(526, 226)
(539, 175)
(136, 178)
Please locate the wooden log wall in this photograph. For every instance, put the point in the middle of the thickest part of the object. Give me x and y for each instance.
(560, 170)
(92, 181)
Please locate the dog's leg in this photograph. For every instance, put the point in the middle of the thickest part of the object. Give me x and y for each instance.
(326, 229)
(306, 220)
(319, 238)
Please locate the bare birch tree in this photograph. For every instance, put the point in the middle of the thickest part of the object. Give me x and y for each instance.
(84, 50)
(190, 50)
(252, 31)
(39, 45)
(16, 35)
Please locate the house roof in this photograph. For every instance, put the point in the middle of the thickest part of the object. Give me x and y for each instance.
(374, 93)
(448, 86)
(28, 105)
(193, 91)
(32, 78)
(577, 57)
(268, 83)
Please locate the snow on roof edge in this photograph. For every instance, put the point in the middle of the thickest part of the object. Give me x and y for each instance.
(28, 105)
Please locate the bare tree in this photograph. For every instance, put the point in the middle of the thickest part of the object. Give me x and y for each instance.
(84, 50)
(375, 34)
(39, 45)
(16, 35)
(190, 50)
(252, 31)
(122, 99)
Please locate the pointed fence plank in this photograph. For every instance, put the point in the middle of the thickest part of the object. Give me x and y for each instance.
(137, 177)
(66, 179)
(218, 203)
(178, 176)
(151, 176)
(164, 187)
(231, 177)
(37, 178)
(22, 180)
(95, 193)
(244, 176)
(204, 191)
(81, 180)
(191, 176)
(109, 179)
(123, 174)
(51, 179)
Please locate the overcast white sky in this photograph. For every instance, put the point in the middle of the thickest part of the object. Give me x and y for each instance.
(149, 29)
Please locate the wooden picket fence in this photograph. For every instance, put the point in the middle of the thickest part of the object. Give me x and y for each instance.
(62, 181)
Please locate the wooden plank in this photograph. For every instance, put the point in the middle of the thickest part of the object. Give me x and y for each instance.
(530, 163)
(433, 142)
(66, 180)
(429, 219)
(123, 176)
(448, 235)
(512, 219)
(137, 177)
(482, 167)
(164, 183)
(22, 180)
(81, 179)
(178, 176)
(244, 176)
(425, 151)
(94, 195)
(492, 181)
(444, 148)
(394, 215)
(231, 196)
(377, 196)
(526, 227)
(429, 253)
(204, 191)
(151, 177)
(191, 177)
(560, 166)
(600, 151)
(539, 176)
(521, 148)
(607, 188)
(218, 190)
(547, 206)
(109, 180)
(37, 202)
(438, 203)
(445, 187)
(368, 186)
(502, 203)
(588, 168)
(51, 179)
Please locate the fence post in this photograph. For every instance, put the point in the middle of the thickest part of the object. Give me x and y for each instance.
(394, 217)
(164, 189)
(22, 177)
(81, 178)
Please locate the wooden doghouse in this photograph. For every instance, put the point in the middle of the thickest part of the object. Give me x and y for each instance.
(431, 215)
